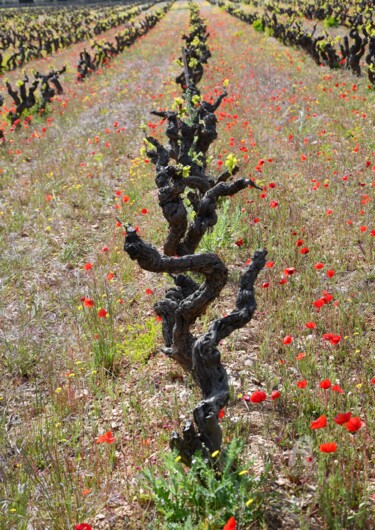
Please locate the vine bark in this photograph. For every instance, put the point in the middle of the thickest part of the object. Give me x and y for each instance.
(184, 185)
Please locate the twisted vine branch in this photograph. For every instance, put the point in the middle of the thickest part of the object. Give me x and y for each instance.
(190, 132)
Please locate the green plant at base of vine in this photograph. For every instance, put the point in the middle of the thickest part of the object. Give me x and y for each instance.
(201, 498)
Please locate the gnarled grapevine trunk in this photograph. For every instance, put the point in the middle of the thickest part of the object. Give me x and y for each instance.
(181, 166)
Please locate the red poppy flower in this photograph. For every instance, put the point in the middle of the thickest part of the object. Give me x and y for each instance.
(221, 414)
(83, 526)
(319, 266)
(327, 297)
(107, 438)
(289, 271)
(304, 250)
(239, 242)
(363, 228)
(270, 264)
(300, 356)
(333, 339)
(102, 313)
(126, 198)
(87, 266)
(319, 423)
(149, 291)
(373, 380)
(310, 325)
(275, 395)
(329, 447)
(288, 339)
(258, 396)
(325, 384)
(274, 204)
(231, 524)
(265, 285)
(88, 302)
(342, 418)
(338, 389)
(144, 211)
(302, 384)
(330, 273)
(319, 303)
(353, 424)
(299, 243)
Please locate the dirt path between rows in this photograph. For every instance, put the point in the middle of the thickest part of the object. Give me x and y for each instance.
(46, 241)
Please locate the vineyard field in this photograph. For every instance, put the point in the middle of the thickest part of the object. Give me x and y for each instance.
(187, 266)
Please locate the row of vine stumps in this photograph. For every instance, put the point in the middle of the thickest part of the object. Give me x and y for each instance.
(32, 96)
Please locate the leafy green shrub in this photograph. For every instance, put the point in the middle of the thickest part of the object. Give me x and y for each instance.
(202, 498)
(331, 22)
(140, 340)
(258, 25)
